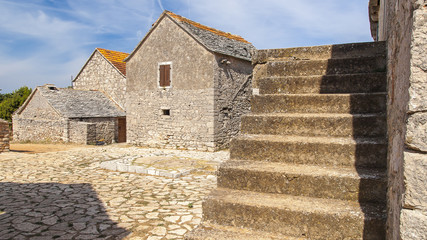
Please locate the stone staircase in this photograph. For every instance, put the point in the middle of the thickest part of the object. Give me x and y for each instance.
(311, 160)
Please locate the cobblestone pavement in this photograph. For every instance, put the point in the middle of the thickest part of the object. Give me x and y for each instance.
(66, 195)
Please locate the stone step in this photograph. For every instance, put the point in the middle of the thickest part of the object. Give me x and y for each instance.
(208, 231)
(324, 67)
(346, 83)
(319, 103)
(295, 216)
(352, 50)
(363, 185)
(315, 124)
(322, 151)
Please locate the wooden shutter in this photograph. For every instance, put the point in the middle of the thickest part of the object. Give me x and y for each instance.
(165, 75)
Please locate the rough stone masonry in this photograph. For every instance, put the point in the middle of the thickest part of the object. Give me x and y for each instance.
(4, 136)
(403, 24)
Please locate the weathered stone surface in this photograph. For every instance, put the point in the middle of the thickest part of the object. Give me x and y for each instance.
(415, 181)
(207, 96)
(413, 224)
(416, 131)
(65, 195)
(100, 74)
(4, 136)
(301, 168)
(66, 115)
(418, 87)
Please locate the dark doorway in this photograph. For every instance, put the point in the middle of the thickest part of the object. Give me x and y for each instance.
(122, 130)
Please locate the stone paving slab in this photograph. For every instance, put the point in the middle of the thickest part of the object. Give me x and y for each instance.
(66, 195)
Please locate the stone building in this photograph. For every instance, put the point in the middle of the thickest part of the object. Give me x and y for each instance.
(187, 85)
(104, 71)
(67, 115)
(4, 136)
(403, 24)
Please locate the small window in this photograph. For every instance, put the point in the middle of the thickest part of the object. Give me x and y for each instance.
(164, 74)
(166, 112)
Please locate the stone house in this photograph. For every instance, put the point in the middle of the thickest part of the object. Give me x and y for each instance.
(67, 115)
(4, 136)
(104, 71)
(187, 85)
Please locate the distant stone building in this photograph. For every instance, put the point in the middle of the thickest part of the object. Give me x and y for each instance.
(67, 115)
(187, 85)
(104, 71)
(4, 136)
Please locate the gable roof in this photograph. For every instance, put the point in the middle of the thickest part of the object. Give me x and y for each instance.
(115, 58)
(72, 103)
(212, 39)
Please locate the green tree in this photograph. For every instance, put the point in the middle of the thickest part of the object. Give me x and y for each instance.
(11, 101)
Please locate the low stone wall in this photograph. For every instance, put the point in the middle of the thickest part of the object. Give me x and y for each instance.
(82, 132)
(91, 130)
(4, 136)
(38, 130)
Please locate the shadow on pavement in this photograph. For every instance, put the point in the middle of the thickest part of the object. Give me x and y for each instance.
(54, 211)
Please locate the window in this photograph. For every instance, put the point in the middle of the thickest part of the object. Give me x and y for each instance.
(166, 112)
(165, 74)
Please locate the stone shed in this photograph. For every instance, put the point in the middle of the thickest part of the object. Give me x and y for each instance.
(4, 136)
(65, 115)
(187, 85)
(104, 71)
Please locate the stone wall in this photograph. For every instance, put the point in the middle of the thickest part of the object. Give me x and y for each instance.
(39, 130)
(99, 74)
(233, 89)
(100, 129)
(82, 132)
(405, 29)
(39, 122)
(190, 99)
(4, 136)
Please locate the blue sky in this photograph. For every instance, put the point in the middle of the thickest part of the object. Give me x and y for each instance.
(48, 41)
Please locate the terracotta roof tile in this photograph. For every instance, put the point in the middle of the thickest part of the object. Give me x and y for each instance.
(116, 58)
(203, 27)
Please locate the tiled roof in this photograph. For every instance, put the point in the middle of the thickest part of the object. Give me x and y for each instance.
(80, 104)
(116, 58)
(203, 27)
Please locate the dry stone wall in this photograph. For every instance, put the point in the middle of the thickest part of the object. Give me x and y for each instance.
(101, 129)
(4, 136)
(233, 89)
(190, 124)
(99, 74)
(405, 29)
(39, 122)
(190, 99)
(82, 132)
(39, 130)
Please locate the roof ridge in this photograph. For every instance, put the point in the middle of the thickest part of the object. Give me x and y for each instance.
(204, 27)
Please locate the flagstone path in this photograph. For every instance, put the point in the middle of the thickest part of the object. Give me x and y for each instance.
(66, 195)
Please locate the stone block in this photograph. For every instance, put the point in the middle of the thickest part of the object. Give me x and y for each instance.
(415, 172)
(122, 167)
(413, 224)
(139, 169)
(416, 132)
(110, 165)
